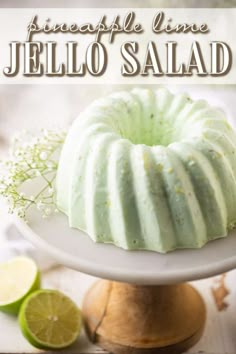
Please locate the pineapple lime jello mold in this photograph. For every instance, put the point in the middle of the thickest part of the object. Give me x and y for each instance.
(150, 170)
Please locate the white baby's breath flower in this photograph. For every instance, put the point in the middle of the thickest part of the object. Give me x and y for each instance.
(21, 212)
(45, 132)
(43, 156)
(10, 210)
(9, 199)
(31, 158)
(40, 205)
(48, 211)
(17, 153)
(49, 164)
(9, 181)
(50, 190)
(37, 173)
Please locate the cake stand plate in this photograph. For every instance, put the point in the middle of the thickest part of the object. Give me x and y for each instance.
(143, 306)
(76, 250)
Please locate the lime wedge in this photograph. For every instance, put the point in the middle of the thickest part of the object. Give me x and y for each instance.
(18, 278)
(50, 320)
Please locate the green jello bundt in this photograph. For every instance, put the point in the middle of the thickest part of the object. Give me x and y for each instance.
(149, 170)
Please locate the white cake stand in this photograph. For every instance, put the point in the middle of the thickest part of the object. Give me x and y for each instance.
(144, 306)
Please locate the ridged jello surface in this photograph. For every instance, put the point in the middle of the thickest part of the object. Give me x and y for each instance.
(149, 170)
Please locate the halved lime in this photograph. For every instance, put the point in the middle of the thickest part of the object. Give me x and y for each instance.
(50, 320)
(18, 278)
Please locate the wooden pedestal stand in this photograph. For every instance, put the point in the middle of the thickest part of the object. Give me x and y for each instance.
(125, 318)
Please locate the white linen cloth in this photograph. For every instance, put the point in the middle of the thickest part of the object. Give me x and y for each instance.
(13, 244)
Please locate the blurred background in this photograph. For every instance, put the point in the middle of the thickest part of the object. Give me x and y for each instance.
(34, 107)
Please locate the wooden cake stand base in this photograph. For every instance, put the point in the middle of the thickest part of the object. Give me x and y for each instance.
(133, 319)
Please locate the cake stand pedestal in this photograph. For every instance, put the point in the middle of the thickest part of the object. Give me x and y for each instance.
(144, 306)
(126, 318)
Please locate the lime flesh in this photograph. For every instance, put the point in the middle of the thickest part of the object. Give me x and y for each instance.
(18, 278)
(50, 320)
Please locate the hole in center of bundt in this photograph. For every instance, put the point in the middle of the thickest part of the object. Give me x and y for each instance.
(151, 130)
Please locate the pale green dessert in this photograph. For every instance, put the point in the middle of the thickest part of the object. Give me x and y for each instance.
(149, 170)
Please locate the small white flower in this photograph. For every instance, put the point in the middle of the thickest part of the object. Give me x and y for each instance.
(50, 191)
(20, 158)
(9, 181)
(46, 133)
(40, 205)
(18, 152)
(48, 211)
(49, 165)
(37, 173)
(43, 156)
(21, 212)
